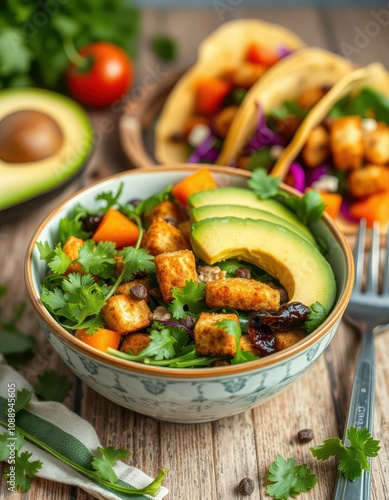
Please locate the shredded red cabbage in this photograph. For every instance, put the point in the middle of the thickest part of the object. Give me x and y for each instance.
(345, 211)
(264, 136)
(283, 51)
(177, 323)
(205, 151)
(314, 174)
(297, 175)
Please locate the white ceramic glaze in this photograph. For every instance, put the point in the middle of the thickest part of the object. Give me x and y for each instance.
(184, 395)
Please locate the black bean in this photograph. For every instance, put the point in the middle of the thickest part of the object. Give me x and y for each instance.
(305, 435)
(138, 292)
(243, 272)
(91, 221)
(246, 486)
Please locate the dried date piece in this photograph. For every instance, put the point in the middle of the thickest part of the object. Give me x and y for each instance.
(286, 317)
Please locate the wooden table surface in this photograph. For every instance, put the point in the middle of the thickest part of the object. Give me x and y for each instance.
(207, 461)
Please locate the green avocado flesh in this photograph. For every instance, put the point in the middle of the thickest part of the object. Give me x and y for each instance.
(211, 211)
(246, 198)
(23, 179)
(296, 263)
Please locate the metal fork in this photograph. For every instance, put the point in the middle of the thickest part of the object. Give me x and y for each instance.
(368, 310)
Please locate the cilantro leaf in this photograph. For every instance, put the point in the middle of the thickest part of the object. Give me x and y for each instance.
(308, 208)
(5, 439)
(79, 298)
(110, 199)
(353, 458)
(98, 259)
(288, 108)
(315, 317)
(52, 386)
(263, 184)
(187, 299)
(25, 470)
(59, 261)
(152, 201)
(369, 103)
(260, 159)
(104, 466)
(289, 479)
(136, 259)
(23, 397)
(72, 226)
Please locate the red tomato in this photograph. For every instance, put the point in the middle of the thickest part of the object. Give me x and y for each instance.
(109, 77)
(258, 54)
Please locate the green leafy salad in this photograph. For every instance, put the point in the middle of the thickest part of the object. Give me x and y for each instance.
(138, 278)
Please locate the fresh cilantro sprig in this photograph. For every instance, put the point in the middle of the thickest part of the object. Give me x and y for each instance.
(188, 299)
(288, 479)
(353, 459)
(308, 208)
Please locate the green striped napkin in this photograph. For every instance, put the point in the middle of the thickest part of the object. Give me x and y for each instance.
(67, 434)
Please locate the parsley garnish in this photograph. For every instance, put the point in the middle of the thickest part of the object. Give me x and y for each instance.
(353, 459)
(189, 299)
(52, 386)
(288, 479)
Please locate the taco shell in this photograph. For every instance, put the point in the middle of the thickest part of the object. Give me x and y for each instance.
(305, 69)
(374, 76)
(224, 49)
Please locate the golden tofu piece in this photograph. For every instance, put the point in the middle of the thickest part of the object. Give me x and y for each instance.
(346, 142)
(368, 180)
(310, 97)
(246, 345)
(376, 145)
(211, 339)
(317, 147)
(123, 314)
(164, 210)
(135, 342)
(162, 237)
(173, 270)
(72, 248)
(125, 288)
(245, 75)
(286, 339)
(241, 294)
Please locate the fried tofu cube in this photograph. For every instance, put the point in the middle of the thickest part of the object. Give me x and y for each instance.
(368, 180)
(71, 249)
(173, 270)
(246, 345)
(135, 342)
(317, 147)
(245, 75)
(166, 210)
(376, 145)
(211, 339)
(162, 237)
(241, 294)
(123, 314)
(125, 288)
(286, 339)
(346, 142)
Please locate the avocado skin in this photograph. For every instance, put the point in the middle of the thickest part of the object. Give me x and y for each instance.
(245, 197)
(296, 263)
(212, 211)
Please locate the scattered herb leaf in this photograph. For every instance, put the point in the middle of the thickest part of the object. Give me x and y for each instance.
(52, 386)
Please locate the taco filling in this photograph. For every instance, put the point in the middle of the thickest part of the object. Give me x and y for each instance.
(346, 157)
(217, 99)
(275, 131)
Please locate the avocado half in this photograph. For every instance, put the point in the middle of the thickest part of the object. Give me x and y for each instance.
(23, 181)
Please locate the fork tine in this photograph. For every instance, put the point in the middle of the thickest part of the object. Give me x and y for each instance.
(385, 283)
(374, 261)
(359, 255)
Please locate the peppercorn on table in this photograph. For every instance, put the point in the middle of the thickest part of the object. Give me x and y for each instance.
(208, 461)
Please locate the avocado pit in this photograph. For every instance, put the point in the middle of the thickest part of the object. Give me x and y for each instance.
(29, 136)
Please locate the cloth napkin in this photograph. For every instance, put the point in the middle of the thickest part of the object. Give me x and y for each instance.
(68, 433)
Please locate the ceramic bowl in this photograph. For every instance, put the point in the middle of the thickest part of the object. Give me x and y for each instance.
(184, 395)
